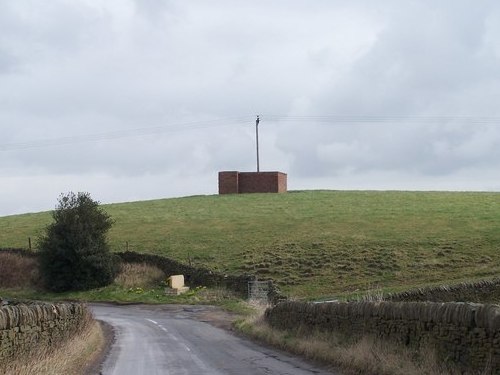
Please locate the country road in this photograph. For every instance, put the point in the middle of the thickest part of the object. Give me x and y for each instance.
(176, 340)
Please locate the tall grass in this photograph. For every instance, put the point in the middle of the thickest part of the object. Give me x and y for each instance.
(139, 275)
(364, 356)
(17, 271)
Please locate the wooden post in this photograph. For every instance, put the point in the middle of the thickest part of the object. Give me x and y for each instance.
(29, 243)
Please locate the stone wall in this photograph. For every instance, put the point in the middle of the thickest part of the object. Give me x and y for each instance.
(485, 291)
(232, 182)
(24, 328)
(468, 335)
(22, 252)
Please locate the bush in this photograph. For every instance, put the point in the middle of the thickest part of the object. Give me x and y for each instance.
(74, 254)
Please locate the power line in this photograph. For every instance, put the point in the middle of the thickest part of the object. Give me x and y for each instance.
(128, 133)
(379, 119)
(241, 120)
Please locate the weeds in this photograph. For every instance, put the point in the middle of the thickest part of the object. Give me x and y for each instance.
(139, 275)
(18, 271)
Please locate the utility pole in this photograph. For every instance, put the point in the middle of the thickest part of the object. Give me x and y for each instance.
(257, 141)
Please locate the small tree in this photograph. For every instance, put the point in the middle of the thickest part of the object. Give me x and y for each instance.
(73, 251)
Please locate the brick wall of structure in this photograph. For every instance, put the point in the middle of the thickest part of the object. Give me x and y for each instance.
(228, 182)
(231, 182)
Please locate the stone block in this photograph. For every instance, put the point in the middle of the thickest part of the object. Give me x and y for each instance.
(176, 281)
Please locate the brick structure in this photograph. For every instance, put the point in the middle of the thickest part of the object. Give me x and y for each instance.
(233, 182)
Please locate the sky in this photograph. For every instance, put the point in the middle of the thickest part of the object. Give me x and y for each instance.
(144, 99)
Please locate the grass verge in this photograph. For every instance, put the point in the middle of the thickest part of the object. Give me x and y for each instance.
(365, 356)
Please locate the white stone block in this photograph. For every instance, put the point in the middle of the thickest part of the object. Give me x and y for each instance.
(176, 281)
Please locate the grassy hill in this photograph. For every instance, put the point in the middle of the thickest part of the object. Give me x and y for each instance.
(313, 243)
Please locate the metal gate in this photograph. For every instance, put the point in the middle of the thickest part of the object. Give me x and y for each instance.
(259, 291)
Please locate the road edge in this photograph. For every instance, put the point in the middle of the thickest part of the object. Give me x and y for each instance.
(95, 366)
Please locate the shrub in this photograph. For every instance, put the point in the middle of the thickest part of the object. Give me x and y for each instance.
(74, 254)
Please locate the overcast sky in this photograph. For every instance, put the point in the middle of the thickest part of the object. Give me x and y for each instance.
(143, 99)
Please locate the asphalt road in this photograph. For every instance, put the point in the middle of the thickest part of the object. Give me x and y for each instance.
(175, 340)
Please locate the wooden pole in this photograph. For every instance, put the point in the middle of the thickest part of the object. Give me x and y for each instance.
(257, 140)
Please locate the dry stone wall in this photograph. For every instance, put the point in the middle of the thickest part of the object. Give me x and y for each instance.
(485, 291)
(24, 328)
(468, 335)
(22, 252)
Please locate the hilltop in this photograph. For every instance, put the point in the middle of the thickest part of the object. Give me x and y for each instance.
(313, 243)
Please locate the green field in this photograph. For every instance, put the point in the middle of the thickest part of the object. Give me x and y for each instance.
(312, 243)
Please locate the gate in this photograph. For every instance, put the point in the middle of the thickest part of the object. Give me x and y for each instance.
(259, 291)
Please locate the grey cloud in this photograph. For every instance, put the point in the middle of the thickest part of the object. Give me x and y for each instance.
(425, 53)
(74, 68)
(7, 62)
(437, 149)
